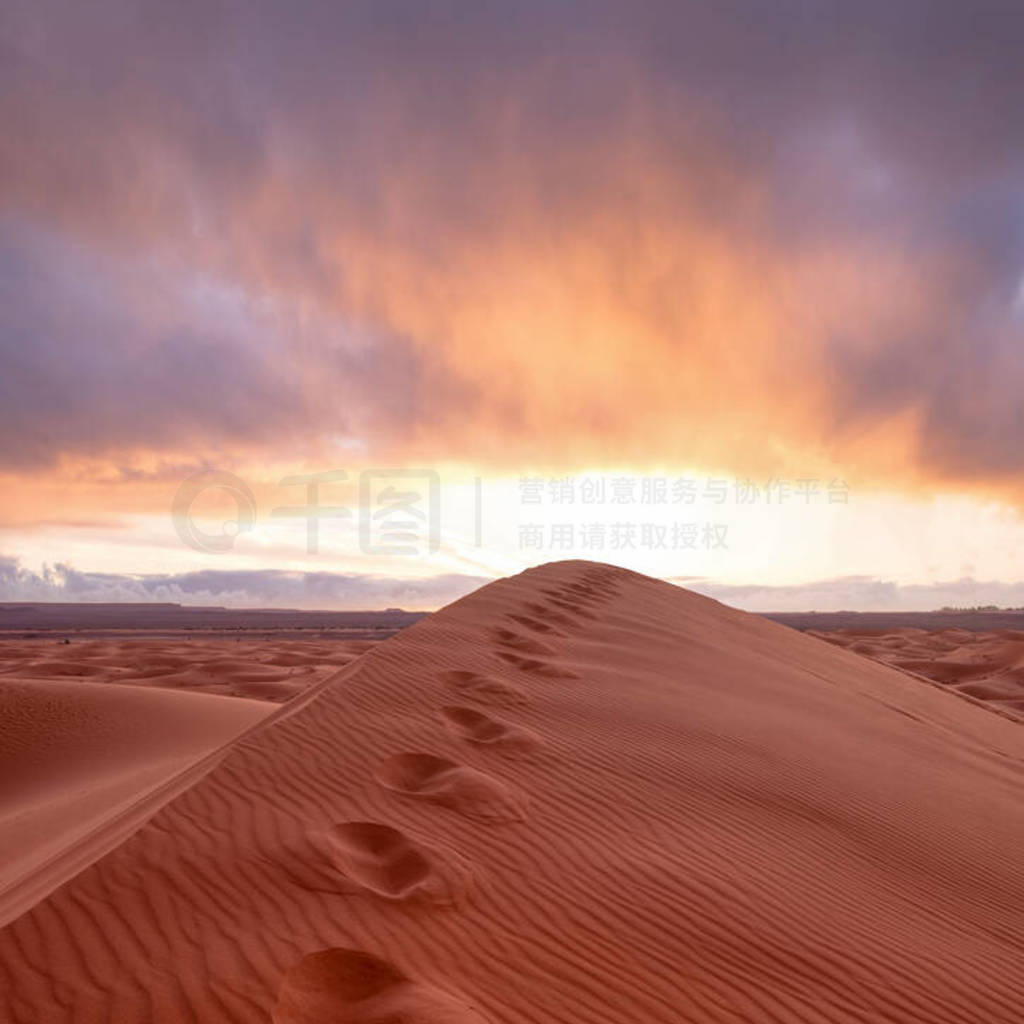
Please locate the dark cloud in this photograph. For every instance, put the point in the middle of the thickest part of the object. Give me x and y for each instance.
(100, 355)
(354, 158)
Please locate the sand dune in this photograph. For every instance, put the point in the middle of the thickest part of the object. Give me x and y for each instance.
(715, 819)
(75, 756)
(79, 755)
(985, 666)
(262, 669)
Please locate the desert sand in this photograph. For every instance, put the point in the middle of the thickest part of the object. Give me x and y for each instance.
(271, 667)
(987, 666)
(89, 735)
(577, 795)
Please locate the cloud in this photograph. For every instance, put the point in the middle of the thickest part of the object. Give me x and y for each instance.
(744, 235)
(268, 588)
(279, 588)
(103, 355)
(863, 593)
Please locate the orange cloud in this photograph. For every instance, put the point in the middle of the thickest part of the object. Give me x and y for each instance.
(650, 244)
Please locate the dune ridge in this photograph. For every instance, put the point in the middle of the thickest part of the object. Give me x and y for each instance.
(727, 821)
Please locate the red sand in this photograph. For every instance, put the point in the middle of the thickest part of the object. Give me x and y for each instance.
(76, 756)
(267, 668)
(578, 795)
(984, 666)
(79, 756)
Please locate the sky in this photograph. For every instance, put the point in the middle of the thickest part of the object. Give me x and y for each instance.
(730, 293)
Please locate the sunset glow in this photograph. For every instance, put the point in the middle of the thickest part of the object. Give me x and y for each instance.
(528, 243)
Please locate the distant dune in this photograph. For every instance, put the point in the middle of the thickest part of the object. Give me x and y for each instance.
(578, 795)
(983, 666)
(884, 622)
(51, 616)
(270, 667)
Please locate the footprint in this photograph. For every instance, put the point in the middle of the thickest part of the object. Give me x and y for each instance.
(572, 608)
(348, 986)
(543, 611)
(476, 727)
(485, 689)
(583, 593)
(537, 625)
(536, 667)
(518, 642)
(470, 792)
(366, 856)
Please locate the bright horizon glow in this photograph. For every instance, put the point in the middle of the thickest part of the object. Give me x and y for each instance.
(916, 544)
